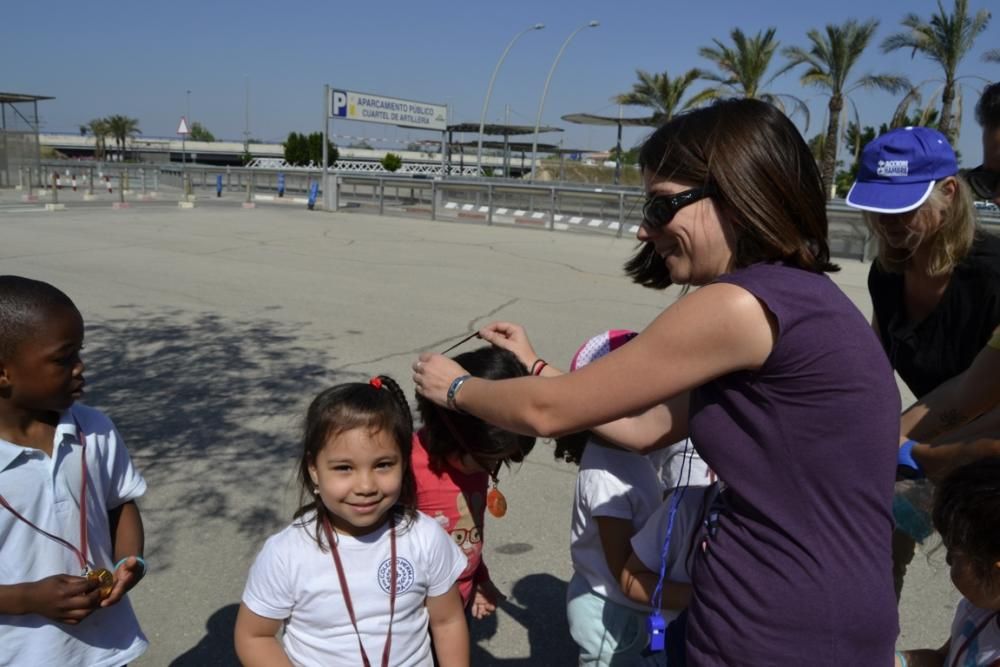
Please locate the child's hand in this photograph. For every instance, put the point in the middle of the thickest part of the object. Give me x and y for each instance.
(485, 599)
(62, 598)
(512, 337)
(127, 576)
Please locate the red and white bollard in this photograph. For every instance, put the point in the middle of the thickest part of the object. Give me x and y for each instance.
(73, 182)
(107, 180)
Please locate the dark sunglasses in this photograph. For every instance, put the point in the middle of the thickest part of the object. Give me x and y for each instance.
(658, 211)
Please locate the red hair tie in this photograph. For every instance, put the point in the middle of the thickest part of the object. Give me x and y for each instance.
(376, 382)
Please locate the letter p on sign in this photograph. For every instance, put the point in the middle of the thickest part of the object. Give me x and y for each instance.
(338, 103)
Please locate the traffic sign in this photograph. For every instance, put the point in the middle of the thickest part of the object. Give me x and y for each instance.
(183, 127)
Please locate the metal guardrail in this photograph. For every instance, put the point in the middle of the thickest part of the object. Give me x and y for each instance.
(570, 207)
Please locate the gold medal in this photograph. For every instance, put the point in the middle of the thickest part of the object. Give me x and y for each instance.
(105, 581)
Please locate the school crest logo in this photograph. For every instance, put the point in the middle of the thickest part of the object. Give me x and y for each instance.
(404, 575)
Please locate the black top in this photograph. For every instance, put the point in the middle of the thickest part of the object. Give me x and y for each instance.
(984, 182)
(944, 344)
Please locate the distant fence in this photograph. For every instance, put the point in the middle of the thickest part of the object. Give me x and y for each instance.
(565, 207)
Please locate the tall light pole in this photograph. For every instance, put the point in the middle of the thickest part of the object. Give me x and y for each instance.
(489, 91)
(246, 119)
(545, 91)
(187, 118)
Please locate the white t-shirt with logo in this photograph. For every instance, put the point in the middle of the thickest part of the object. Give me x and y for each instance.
(293, 580)
(612, 483)
(982, 648)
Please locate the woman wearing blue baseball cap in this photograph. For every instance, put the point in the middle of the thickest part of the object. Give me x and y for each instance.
(935, 285)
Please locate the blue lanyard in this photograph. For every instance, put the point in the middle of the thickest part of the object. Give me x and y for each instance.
(656, 626)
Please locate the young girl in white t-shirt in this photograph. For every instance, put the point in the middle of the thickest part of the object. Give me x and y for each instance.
(967, 514)
(359, 576)
(616, 491)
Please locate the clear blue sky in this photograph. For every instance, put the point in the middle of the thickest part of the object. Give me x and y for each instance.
(140, 58)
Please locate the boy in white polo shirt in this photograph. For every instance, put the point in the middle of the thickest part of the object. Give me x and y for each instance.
(71, 537)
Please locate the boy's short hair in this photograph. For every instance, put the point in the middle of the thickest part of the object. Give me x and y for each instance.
(988, 107)
(22, 302)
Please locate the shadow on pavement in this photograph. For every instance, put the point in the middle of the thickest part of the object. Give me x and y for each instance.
(216, 647)
(209, 408)
(537, 603)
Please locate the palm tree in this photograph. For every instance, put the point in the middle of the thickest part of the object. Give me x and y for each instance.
(945, 39)
(122, 128)
(99, 128)
(992, 56)
(926, 115)
(743, 70)
(660, 93)
(829, 61)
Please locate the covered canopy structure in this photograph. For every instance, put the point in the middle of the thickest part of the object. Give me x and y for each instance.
(19, 146)
(522, 147)
(506, 130)
(594, 119)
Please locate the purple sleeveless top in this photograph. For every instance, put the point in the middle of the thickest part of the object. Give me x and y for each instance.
(797, 568)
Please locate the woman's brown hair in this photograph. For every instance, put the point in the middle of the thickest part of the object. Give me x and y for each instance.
(766, 182)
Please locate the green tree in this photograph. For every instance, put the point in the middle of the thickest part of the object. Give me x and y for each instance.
(392, 162)
(315, 145)
(925, 115)
(816, 145)
(946, 39)
(743, 70)
(122, 128)
(302, 150)
(296, 150)
(200, 133)
(661, 93)
(831, 56)
(99, 128)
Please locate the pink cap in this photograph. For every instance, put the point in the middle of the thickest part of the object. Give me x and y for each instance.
(600, 345)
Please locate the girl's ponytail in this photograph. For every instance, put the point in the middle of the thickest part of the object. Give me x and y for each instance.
(387, 383)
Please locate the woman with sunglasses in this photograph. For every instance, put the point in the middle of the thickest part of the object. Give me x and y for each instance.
(774, 374)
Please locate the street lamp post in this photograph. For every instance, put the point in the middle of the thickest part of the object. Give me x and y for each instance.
(489, 91)
(185, 180)
(545, 91)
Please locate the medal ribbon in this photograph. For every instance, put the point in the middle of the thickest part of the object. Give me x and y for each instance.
(347, 592)
(81, 553)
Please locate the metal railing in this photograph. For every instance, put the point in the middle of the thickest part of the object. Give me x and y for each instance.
(564, 207)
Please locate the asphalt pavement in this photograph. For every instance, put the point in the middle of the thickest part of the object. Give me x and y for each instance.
(210, 329)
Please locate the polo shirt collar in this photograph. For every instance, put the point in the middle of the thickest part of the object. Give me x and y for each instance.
(9, 452)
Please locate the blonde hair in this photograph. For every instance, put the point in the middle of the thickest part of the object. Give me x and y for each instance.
(949, 243)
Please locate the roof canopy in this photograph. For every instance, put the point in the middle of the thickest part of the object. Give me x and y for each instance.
(501, 129)
(594, 119)
(10, 98)
(519, 146)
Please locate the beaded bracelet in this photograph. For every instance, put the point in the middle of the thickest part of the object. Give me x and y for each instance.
(138, 558)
